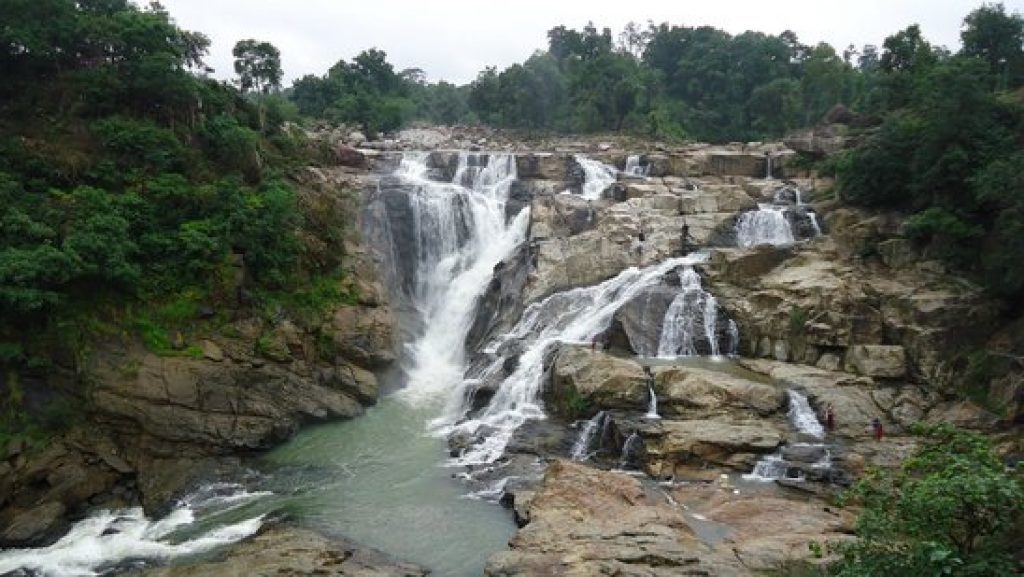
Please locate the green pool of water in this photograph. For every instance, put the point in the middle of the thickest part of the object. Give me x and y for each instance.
(379, 481)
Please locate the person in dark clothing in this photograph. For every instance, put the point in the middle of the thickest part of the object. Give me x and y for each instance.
(830, 418)
(876, 428)
(685, 233)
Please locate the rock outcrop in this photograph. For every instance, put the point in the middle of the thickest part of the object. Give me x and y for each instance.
(284, 550)
(583, 521)
(153, 423)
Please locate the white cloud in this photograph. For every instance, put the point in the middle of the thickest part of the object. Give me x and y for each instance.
(455, 39)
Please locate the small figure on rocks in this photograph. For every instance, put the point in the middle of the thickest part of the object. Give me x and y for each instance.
(876, 428)
(686, 237)
(830, 417)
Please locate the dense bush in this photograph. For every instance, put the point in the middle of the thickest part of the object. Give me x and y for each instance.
(950, 153)
(953, 508)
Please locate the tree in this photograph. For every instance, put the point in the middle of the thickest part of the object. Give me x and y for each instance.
(952, 509)
(258, 65)
(998, 38)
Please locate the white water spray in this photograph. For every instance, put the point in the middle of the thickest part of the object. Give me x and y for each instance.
(461, 234)
(573, 316)
(679, 330)
(107, 538)
(766, 225)
(634, 168)
(598, 176)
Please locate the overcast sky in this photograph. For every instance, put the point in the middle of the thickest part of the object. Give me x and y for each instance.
(454, 39)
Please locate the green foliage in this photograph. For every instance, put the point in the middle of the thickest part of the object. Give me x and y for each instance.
(948, 150)
(576, 406)
(952, 509)
(258, 65)
(797, 321)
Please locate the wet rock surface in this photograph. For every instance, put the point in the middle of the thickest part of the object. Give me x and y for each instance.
(285, 550)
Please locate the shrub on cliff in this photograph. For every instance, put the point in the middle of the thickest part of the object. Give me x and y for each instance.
(954, 508)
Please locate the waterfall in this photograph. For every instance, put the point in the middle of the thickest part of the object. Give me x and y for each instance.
(572, 316)
(107, 538)
(814, 223)
(598, 176)
(802, 416)
(590, 436)
(461, 234)
(766, 225)
(633, 167)
(631, 451)
(734, 338)
(679, 335)
(767, 166)
(652, 404)
(769, 468)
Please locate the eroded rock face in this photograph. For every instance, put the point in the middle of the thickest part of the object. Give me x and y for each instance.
(583, 521)
(598, 380)
(690, 391)
(731, 442)
(817, 306)
(287, 550)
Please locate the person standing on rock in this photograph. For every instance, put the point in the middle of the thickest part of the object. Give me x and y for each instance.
(685, 233)
(830, 418)
(876, 428)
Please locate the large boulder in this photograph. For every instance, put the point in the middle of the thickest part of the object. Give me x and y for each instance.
(287, 550)
(820, 141)
(687, 391)
(728, 442)
(585, 379)
(584, 521)
(883, 361)
(544, 166)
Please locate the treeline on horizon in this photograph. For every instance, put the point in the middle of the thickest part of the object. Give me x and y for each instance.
(662, 81)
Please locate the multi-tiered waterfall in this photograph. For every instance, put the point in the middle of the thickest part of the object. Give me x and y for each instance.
(573, 316)
(460, 233)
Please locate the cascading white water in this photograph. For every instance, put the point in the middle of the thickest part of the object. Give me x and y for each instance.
(734, 338)
(582, 449)
(573, 316)
(462, 234)
(802, 416)
(814, 223)
(107, 538)
(652, 403)
(631, 450)
(766, 225)
(633, 166)
(678, 331)
(598, 176)
(767, 167)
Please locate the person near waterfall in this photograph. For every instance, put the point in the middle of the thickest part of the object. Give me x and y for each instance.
(830, 417)
(876, 428)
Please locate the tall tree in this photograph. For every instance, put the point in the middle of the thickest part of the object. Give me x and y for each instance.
(998, 38)
(258, 66)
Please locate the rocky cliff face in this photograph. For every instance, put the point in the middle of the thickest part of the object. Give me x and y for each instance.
(155, 424)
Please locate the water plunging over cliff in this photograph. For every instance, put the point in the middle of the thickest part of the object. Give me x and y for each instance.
(598, 176)
(766, 225)
(633, 166)
(573, 316)
(693, 315)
